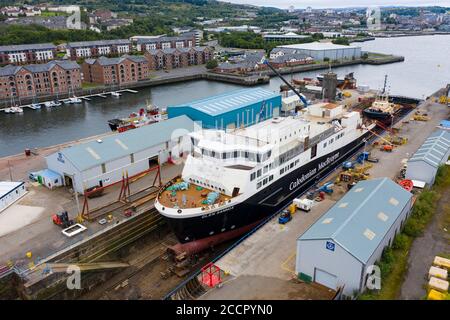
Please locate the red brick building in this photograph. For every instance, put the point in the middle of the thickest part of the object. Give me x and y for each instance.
(178, 58)
(187, 40)
(124, 70)
(94, 49)
(27, 53)
(52, 78)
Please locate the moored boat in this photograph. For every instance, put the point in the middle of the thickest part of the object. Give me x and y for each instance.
(136, 120)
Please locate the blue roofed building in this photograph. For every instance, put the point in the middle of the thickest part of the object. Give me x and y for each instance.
(234, 109)
(425, 162)
(339, 249)
(102, 162)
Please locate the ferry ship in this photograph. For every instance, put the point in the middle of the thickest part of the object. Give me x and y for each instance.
(236, 178)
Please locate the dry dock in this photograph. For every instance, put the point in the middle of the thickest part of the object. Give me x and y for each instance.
(262, 266)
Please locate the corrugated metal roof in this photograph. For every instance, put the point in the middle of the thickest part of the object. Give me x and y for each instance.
(434, 150)
(97, 43)
(318, 46)
(25, 47)
(229, 101)
(93, 153)
(360, 220)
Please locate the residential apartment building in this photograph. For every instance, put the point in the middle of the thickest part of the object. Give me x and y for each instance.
(94, 49)
(144, 44)
(123, 70)
(171, 58)
(27, 53)
(52, 78)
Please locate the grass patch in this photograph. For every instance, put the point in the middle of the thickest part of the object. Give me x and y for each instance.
(88, 85)
(394, 261)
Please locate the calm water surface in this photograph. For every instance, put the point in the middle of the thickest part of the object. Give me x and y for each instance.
(426, 69)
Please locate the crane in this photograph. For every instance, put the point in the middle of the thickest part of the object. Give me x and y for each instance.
(302, 97)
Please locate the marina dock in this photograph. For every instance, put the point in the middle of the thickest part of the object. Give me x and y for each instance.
(87, 97)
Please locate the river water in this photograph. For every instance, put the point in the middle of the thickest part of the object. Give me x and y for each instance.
(426, 68)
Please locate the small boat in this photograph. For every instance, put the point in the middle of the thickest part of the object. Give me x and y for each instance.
(115, 94)
(74, 100)
(48, 104)
(136, 120)
(56, 103)
(17, 110)
(35, 106)
(8, 110)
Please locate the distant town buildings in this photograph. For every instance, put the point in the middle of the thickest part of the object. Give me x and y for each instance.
(94, 49)
(52, 78)
(27, 53)
(25, 10)
(123, 70)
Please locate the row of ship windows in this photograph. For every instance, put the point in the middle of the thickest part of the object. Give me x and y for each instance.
(261, 171)
(295, 133)
(251, 156)
(264, 182)
(290, 166)
(332, 139)
(198, 182)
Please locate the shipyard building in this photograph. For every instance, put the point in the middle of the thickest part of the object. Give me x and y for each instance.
(103, 162)
(234, 109)
(10, 192)
(319, 50)
(425, 162)
(339, 249)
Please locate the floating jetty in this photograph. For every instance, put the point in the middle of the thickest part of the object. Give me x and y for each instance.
(88, 97)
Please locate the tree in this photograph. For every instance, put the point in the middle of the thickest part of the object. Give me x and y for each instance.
(211, 64)
(341, 40)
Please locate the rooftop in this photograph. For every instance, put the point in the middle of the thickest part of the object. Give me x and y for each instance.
(8, 186)
(23, 47)
(229, 101)
(42, 67)
(94, 153)
(360, 220)
(318, 46)
(434, 149)
(97, 43)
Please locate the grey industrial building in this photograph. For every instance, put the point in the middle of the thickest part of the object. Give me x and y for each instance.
(320, 50)
(338, 249)
(424, 163)
(102, 162)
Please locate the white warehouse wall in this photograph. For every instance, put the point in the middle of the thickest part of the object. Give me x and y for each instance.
(420, 170)
(312, 254)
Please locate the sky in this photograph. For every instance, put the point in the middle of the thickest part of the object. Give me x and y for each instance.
(301, 4)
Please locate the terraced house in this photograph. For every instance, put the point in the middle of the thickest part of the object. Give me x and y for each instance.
(187, 40)
(52, 78)
(178, 58)
(27, 53)
(94, 49)
(123, 70)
